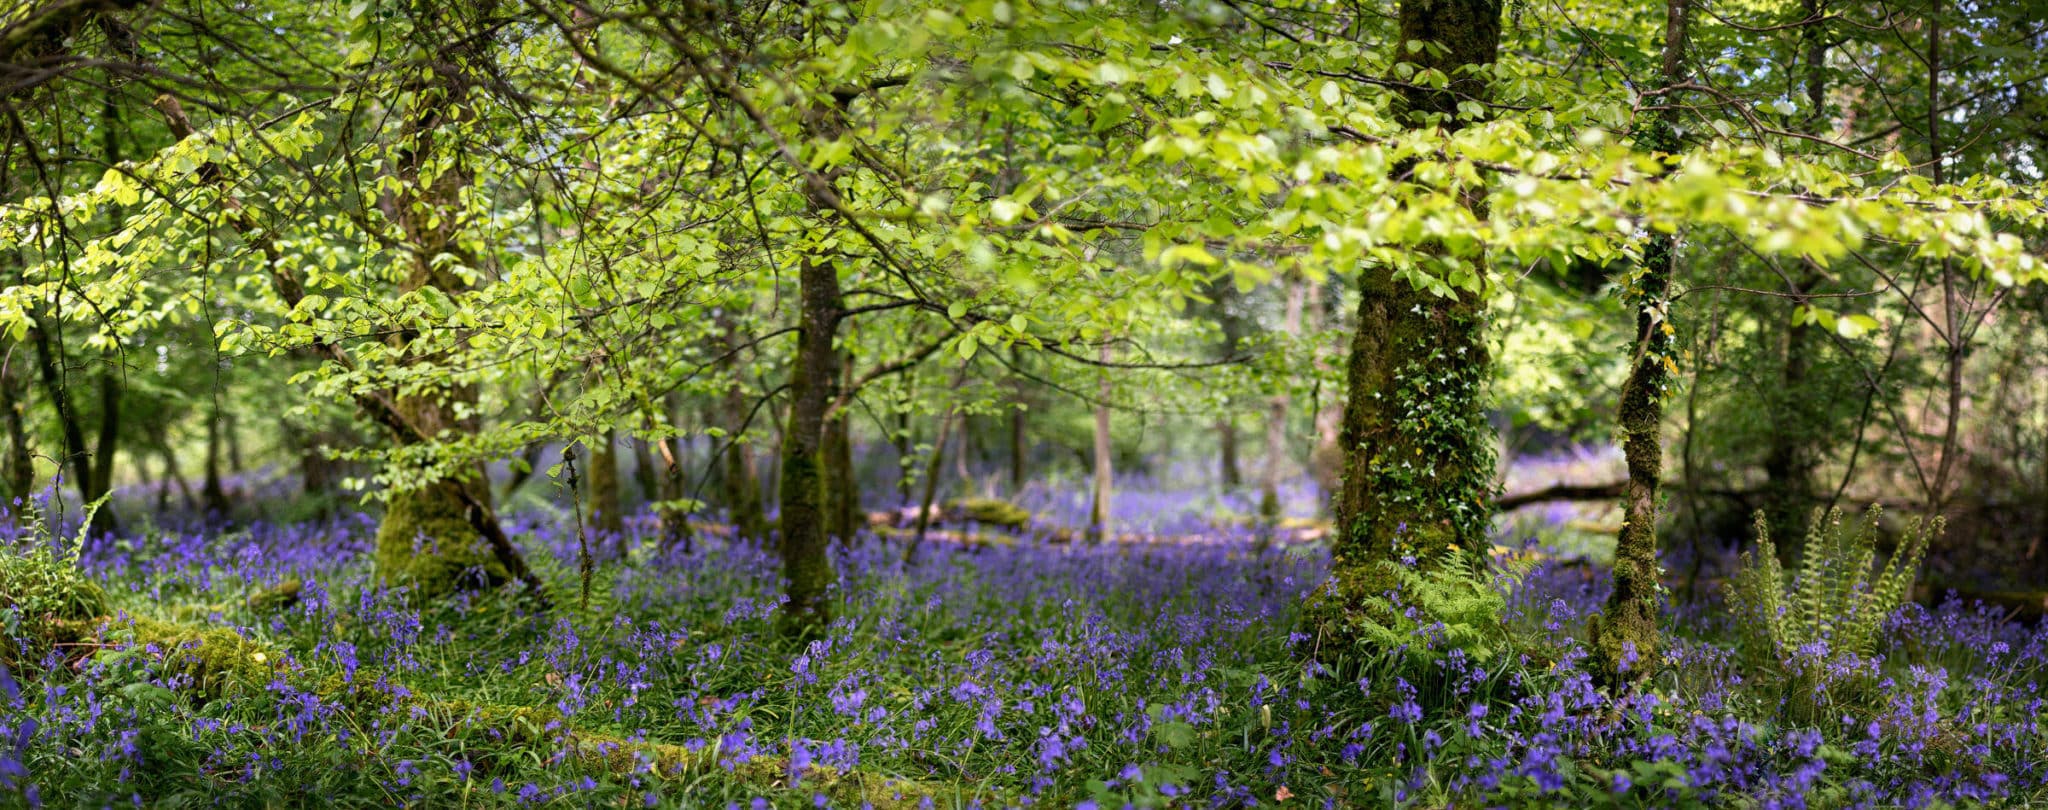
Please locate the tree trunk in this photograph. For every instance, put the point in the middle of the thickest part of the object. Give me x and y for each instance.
(108, 444)
(214, 495)
(1418, 464)
(842, 491)
(1276, 424)
(607, 503)
(231, 430)
(741, 479)
(646, 476)
(1098, 509)
(931, 477)
(1792, 457)
(1625, 640)
(1017, 450)
(432, 535)
(1326, 460)
(805, 563)
(49, 356)
(451, 519)
(173, 476)
(1229, 472)
(19, 463)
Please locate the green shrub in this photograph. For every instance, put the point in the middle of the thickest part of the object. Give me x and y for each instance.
(1812, 636)
(44, 598)
(1834, 598)
(1458, 605)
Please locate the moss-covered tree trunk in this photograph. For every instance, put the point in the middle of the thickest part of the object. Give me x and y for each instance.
(805, 562)
(433, 537)
(1418, 450)
(1625, 640)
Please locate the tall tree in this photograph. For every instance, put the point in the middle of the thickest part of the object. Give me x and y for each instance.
(1276, 419)
(1625, 640)
(1418, 464)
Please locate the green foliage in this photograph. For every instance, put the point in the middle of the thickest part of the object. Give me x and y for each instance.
(1835, 604)
(44, 597)
(1457, 604)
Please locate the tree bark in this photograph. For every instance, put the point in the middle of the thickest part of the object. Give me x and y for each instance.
(1276, 424)
(741, 479)
(1229, 471)
(1326, 461)
(1099, 508)
(646, 477)
(107, 446)
(19, 463)
(607, 503)
(1792, 455)
(212, 492)
(1017, 450)
(1625, 639)
(80, 458)
(842, 491)
(1418, 463)
(805, 564)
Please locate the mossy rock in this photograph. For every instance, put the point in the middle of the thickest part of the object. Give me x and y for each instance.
(217, 659)
(989, 512)
(276, 597)
(426, 543)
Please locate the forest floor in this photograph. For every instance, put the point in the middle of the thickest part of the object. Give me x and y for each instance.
(263, 666)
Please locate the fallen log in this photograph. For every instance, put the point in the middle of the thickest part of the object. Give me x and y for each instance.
(1610, 490)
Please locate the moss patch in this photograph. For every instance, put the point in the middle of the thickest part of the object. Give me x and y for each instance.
(217, 659)
(426, 543)
(990, 512)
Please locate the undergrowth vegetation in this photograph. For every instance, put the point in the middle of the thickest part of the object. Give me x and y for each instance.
(269, 666)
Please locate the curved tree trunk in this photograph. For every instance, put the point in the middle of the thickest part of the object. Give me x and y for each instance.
(1418, 464)
(1625, 640)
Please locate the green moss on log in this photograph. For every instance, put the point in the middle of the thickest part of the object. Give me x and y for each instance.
(990, 512)
(218, 660)
(426, 543)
